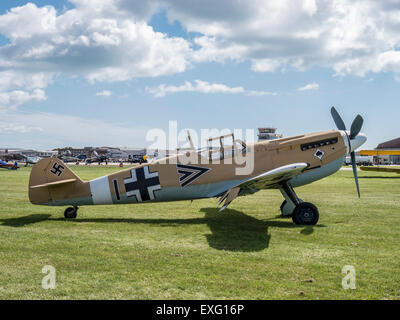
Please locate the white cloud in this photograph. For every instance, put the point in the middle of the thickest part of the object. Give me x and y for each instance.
(265, 65)
(17, 88)
(111, 40)
(105, 93)
(212, 49)
(203, 87)
(310, 7)
(11, 80)
(200, 86)
(49, 130)
(260, 93)
(28, 20)
(17, 128)
(13, 99)
(98, 44)
(349, 36)
(310, 86)
(96, 40)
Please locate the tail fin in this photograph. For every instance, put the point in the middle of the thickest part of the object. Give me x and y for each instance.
(51, 179)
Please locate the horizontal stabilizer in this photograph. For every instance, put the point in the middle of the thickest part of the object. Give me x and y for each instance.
(56, 183)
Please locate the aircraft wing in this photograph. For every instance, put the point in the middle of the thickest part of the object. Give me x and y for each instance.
(274, 176)
(265, 180)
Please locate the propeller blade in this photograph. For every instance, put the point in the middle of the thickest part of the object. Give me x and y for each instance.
(338, 119)
(356, 126)
(354, 165)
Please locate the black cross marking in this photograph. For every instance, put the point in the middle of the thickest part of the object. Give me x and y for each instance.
(143, 187)
(57, 169)
(116, 189)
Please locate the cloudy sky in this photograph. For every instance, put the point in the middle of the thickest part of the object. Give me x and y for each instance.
(103, 72)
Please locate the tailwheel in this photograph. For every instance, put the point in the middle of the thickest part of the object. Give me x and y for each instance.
(305, 213)
(70, 212)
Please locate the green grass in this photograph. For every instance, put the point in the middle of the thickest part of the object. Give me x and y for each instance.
(184, 250)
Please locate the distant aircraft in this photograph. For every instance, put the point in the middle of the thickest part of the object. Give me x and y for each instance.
(9, 166)
(31, 160)
(137, 159)
(278, 164)
(96, 158)
(70, 159)
(18, 155)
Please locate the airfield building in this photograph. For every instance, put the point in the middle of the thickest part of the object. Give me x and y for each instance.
(268, 133)
(19, 154)
(388, 146)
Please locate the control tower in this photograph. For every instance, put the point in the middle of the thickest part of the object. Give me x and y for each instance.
(268, 134)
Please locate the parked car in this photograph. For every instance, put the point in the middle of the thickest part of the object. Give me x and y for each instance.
(360, 161)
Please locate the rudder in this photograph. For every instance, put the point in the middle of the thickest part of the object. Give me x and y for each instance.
(51, 179)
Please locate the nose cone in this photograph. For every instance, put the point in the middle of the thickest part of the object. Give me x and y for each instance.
(357, 142)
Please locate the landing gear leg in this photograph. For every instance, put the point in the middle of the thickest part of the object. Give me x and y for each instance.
(289, 204)
(303, 213)
(71, 212)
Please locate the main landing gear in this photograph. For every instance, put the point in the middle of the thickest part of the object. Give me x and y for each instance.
(71, 212)
(302, 213)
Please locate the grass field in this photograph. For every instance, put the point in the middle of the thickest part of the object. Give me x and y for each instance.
(184, 250)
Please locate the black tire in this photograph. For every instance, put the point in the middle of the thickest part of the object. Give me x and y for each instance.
(70, 213)
(305, 214)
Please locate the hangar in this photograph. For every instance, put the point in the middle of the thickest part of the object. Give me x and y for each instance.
(385, 153)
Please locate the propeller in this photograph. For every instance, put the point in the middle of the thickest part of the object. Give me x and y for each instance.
(356, 126)
(354, 131)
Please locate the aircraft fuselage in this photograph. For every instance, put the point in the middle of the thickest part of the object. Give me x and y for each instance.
(172, 179)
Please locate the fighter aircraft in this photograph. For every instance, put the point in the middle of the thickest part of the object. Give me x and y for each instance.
(96, 158)
(278, 164)
(31, 159)
(9, 166)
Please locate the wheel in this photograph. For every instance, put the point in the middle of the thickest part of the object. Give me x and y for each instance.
(305, 214)
(70, 212)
